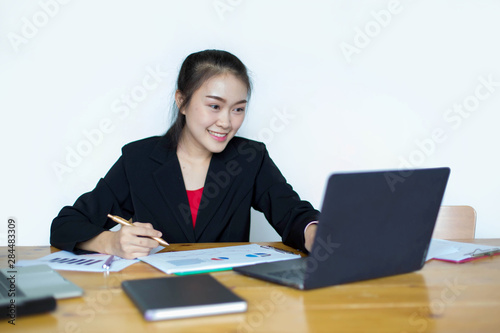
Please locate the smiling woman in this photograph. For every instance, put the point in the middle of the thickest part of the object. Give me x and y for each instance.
(196, 70)
(215, 112)
(212, 117)
(197, 183)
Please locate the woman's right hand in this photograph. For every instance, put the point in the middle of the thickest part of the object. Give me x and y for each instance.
(128, 242)
(133, 242)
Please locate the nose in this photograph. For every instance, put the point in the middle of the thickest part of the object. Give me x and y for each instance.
(224, 120)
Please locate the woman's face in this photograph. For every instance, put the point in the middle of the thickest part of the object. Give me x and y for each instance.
(214, 114)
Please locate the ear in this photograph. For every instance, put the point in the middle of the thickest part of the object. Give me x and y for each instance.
(179, 98)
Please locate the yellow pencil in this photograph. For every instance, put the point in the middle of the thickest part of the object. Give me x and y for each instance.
(122, 221)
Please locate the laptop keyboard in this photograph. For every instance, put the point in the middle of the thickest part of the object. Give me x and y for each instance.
(294, 273)
(291, 274)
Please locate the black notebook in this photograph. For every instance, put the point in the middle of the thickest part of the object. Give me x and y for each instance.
(182, 297)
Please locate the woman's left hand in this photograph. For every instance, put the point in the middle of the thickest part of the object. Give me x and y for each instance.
(309, 235)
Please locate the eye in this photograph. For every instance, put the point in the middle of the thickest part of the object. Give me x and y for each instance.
(214, 106)
(239, 109)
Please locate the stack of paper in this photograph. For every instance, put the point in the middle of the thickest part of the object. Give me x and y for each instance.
(169, 262)
(68, 261)
(459, 252)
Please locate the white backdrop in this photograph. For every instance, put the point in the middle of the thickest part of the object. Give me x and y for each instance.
(338, 85)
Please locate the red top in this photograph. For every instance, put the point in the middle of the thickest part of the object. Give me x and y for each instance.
(194, 198)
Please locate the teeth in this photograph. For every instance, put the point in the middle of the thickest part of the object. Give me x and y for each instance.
(219, 135)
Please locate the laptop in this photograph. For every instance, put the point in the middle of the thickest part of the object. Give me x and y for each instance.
(32, 289)
(372, 224)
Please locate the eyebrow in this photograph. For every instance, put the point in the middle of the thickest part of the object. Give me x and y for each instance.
(223, 100)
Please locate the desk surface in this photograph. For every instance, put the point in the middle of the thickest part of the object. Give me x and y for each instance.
(442, 297)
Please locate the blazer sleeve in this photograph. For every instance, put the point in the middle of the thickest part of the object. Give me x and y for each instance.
(88, 216)
(281, 205)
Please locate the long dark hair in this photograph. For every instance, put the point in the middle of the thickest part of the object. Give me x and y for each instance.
(195, 70)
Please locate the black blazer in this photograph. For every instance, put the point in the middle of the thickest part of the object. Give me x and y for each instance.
(146, 184)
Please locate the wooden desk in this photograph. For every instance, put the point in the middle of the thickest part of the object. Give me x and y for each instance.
(442, 297)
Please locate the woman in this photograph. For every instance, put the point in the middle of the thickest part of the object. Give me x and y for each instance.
(196, 183)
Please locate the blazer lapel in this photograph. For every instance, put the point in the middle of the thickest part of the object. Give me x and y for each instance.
(216, 188)
(168, 178)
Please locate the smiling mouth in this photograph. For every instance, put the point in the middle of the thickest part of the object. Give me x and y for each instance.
(218, 135)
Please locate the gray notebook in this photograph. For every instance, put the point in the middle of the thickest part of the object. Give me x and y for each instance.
(33, 289)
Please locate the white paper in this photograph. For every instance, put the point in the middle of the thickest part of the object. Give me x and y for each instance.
(216, 258)
(455, 251)
(440, 247)
(68, 261)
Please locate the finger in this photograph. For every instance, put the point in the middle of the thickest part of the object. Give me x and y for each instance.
(138, 241)
(134, 255)
(140, 254)
(129, 238)
(133, 251)
(145, 231)
(145, 225)
(145, 242)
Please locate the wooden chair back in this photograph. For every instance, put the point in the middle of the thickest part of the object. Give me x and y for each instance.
(455, 222)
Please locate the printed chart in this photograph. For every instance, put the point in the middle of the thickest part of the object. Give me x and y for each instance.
(216, 258)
